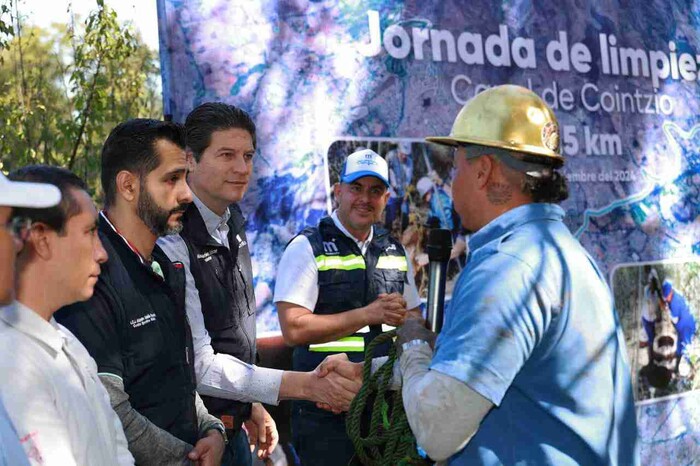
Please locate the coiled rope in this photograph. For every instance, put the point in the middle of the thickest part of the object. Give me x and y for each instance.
(389, 441)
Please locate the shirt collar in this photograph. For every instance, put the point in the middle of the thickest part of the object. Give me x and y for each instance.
(123, 238)
(513, 219)
(152, 265)
(361, 244)
(212, 221)
(23, 319)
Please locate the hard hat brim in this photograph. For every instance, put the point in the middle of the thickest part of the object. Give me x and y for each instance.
(527, 149)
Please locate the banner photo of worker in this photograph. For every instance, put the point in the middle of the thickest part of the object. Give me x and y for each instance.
(322, 79)
(420, 198)
(659, 308)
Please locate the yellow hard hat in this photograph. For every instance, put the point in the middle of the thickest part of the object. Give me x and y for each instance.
(507, 117)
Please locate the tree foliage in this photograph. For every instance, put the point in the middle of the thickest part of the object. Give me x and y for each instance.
(63, 89)
(5, 24)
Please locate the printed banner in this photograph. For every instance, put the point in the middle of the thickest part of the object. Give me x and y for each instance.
(322, 78)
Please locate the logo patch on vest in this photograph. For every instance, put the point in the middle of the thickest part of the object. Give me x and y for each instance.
(206, 255)
(392, 247)
(241, 241)
(143, 320)
(330, 248)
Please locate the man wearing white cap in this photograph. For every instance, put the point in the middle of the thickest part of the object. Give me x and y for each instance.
(338, 285)
(13, 229)
(48, 381)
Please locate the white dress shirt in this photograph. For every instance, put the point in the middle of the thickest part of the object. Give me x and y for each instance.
(51, 391)
(297, 272)
(218, 375)
(11, 451)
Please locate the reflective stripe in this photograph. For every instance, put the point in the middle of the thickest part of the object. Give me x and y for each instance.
(393, 262)
(345, 345)
(351, 262)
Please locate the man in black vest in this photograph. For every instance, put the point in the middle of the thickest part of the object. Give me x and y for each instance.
(339, 285)
(220, 299)
(135, 326)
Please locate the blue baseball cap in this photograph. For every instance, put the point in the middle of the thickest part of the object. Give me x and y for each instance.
(364, 162)
(667, 288)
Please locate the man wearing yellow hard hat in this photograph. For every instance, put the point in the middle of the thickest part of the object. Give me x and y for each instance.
(530, 365)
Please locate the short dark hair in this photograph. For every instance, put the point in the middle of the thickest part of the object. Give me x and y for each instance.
(131, 146)
(545, 184)
(657, 376)
(57, 216)
(553, 188)
(214, 116)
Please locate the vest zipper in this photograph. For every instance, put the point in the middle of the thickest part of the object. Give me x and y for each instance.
(245, 316)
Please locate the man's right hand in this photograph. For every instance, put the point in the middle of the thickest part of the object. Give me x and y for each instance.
(342, 366)
(333, 388)
(387, 309)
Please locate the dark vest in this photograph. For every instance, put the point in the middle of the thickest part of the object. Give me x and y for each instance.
(347, 281)
(154, 336)
(224, 280)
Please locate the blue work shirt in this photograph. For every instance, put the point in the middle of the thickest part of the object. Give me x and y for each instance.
(532, 328)
(681, 316)
(400, 173)
(441, 207)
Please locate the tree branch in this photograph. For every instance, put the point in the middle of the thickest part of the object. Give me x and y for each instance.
(84, 114)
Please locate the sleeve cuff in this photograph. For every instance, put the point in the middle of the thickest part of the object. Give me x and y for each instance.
(266, 385)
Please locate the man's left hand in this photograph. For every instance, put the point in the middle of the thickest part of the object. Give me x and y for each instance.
(414, 329)
(208, 450)
(262, 431)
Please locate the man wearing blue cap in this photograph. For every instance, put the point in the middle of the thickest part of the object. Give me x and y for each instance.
(681, 317)
(339, 285)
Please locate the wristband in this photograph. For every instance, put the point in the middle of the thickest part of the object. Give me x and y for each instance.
(222, 430)
(412, 343)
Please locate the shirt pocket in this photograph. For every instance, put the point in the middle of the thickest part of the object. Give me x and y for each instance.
(390, 281)
(222, 318)
(336, 287)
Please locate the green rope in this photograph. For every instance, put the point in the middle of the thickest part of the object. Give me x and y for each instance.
(390, 441)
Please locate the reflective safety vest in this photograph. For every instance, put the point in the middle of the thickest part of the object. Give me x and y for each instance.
(348, 280)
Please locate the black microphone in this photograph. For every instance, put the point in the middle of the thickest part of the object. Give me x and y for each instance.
(439, 248)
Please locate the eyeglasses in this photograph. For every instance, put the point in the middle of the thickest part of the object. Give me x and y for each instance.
(19, 227)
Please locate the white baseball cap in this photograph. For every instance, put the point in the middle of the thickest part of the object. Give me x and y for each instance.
(364, 162)
(424, 185)
(27, 194)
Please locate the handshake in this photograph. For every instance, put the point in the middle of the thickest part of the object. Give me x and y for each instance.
(334, 383)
